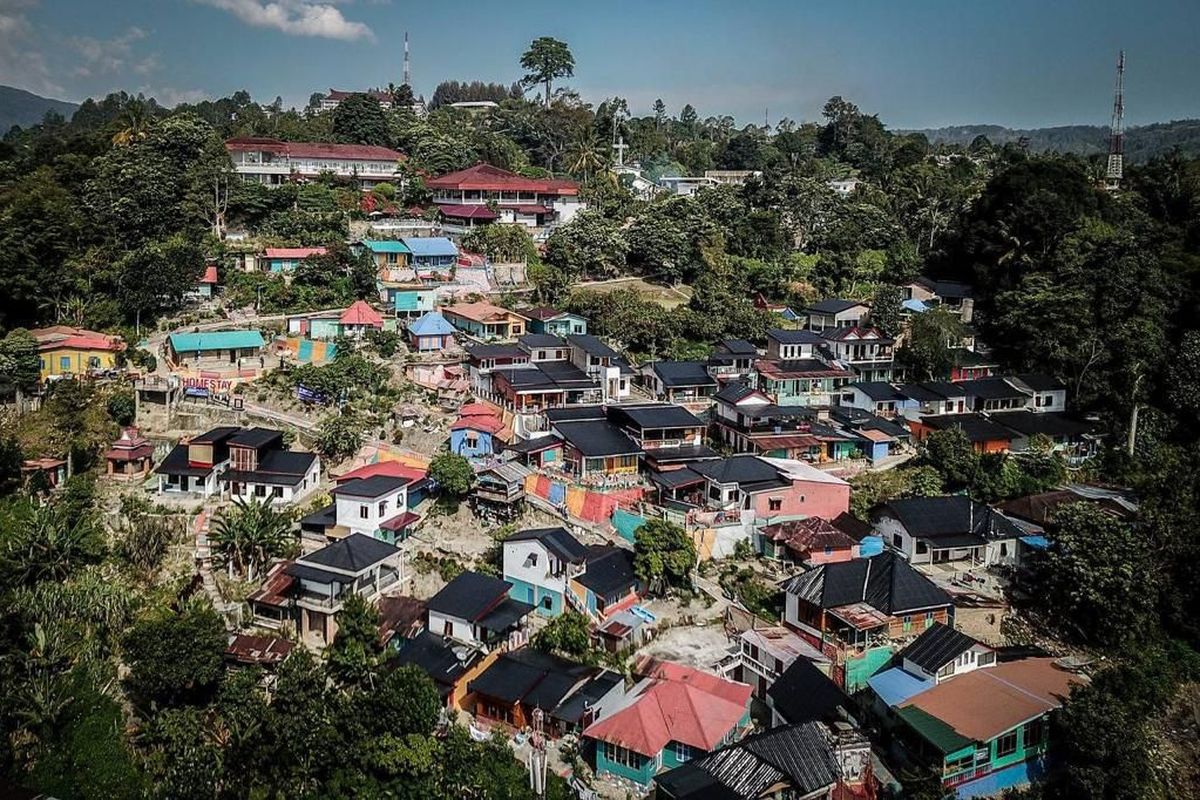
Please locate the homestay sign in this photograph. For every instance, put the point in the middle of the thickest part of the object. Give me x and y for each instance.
(210, 385)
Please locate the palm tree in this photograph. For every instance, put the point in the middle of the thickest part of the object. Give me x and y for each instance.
(135, 121)
(586, 157)
(249, 535)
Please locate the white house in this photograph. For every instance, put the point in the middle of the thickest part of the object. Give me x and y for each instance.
(942, 652)
(375, 506)
(539, 563)
(476, 610)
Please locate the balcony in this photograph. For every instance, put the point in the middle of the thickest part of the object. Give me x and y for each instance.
(325, 601)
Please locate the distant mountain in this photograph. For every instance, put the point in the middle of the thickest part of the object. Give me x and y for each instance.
(1141, 143)
(19, 107)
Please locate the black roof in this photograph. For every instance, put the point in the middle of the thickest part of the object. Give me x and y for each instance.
(547, 375)
(936, 517)
(877, 390)
(737, 347)
(994, 388)
(936, 647)
(1041, 382)
(976, 427)
(540, 680)
(799, 756)
(558, 541)
(176, 463)
(215, 435)
(803, 694)
(374, 486)
(835, 305)
(597, 438)
(573, 413)
(496, 351)
(683, 453)
(1054, 424)
(280, 467)
(659, 415)
(677, 477)
(946, 289)
(354, 553)
(886, 582)
(578, 702)
(432, 654)
(739, 469)
(684, 373)
(609, 570)
(534, 445)
(322, 518)
(255, 437)
(931, 391)
(541, 340)
(788, 336)
(469, 596)
(592, 345)
(734, 392)
(852, 526)
(508, 612)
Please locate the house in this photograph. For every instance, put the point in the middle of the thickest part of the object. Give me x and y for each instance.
(773, 488)
(522, 681)
(435, 254)
(476, 610)
(802, 382)
(836, 313)
(748, 421)
(336, 96)
(353, 322)
(271, 162)
(875, 397)
(987, 730)
(539, 564)
(942, 653)
(668, 434)
(931, 398)
(679, 381)
(864, 602)
(554, 322)
(499, 490)
(599, 361)
(984, 435)
(607, 586)
(485, 320)
(1049, 393)
(792, 345)
(51, 472)
(1064, 434)
(953, 295)
(286, 259)
(537, 452)
(215, 348)
(930, 530)
(131, 456)
(408, 299)
(544, 347)
(430, 333)
(478, 431)
(996, 394)
(193, 466)
(386, 254)
(449, 664)
(401, 619)
(267, 652)
(800, 761)
(544, 385)
(63, 350)
(843, 187)
(325, 579)
(1039, 509)
(866, 351)
(597, 447)
(260, 469)
(671, 715)
(483, 194)
(804, 693)
(970, 365)
(765, 653)
(375, 506)
(879, 437)
(207, 285)
(732, 360)
(808, 541)
(359, 319)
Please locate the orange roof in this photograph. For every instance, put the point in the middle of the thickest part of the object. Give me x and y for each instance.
(985, 703)
(62, 336)
(390, 469)
(293, 252)
(679, 704)
(210, 274)
(360, 313)
(478, 409)
(482, 311)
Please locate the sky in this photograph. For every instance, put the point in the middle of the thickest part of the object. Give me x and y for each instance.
(915, 63)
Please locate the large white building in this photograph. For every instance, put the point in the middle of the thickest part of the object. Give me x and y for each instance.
(273, 162)
(483, 194)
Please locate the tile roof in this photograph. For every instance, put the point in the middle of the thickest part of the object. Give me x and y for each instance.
(856, 333)
(64, 336)
(937, 646)
(481, 311)
(596, 438)
(886, 582)
(658, 415)
(361, 313)
(392, 469)
(431, 323)
(316, 150)
(468, 211)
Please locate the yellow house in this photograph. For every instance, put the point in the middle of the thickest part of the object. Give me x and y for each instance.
(64, 350)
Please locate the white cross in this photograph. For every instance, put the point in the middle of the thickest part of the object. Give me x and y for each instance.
(620, 147)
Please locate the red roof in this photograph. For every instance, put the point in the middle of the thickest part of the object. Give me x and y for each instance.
(62, 336)
(400, 521)
(478, 422)
(477, 410)
(210, 274)
(323, 150)
(488, 178)
(679, 704)
(293, 252)
(247, 649)
(276, 588)
(468, 211)
(360, 313)
(390, 469)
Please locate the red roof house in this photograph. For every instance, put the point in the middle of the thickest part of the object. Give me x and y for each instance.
(388, 469)
(131, 455)
(486, 178)
(360, 316)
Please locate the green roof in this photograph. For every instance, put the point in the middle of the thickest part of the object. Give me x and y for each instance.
(385, 246)
(933, 730)
(215, 340)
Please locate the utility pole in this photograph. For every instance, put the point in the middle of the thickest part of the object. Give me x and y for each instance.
(407, 70)
(1116, 137)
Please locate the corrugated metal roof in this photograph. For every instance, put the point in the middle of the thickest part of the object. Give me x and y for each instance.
(215, 340)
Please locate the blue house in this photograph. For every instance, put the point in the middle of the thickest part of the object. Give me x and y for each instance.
(408, 299)
(430, 333)
(555, 322)
(474, 433)
(432, 253)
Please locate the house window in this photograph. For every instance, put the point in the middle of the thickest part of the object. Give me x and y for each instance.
(922, 548)
(1035, 732)
(548, 602)
(897, 540)
(1006, 745)
(472, 440)
(775, 504)
(93, 362)
(907, 620)
(928, 618)
(683, 752)
(260, 491)
(448, 629)
(987, 658)
(615, 754)
(382, 507)
(277, 491)
(364, 511)
(946, 671)
(531, 560)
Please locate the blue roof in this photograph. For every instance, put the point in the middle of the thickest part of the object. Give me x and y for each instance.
(431, 246)
(385, 246)
(894, 685)
(915, 305)
(215, 340)
(432, 323)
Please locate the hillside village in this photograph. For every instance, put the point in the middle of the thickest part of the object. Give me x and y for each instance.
(563, 470)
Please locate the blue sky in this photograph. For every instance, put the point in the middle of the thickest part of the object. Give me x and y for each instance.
(916, 63)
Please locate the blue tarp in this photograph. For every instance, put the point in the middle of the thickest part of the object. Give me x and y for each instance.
(1036, 542)
(894, 685)
(870, 546)
(914, 305)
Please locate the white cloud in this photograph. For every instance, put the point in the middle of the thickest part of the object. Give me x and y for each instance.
(22, 62)
(295, 17)
(109, 56)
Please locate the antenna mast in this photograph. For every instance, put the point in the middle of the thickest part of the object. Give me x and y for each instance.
(407, 73)
(1116, 140)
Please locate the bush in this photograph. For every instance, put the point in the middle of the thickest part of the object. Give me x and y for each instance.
(452, 473)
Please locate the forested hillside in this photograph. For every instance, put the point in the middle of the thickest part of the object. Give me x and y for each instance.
(1142, 142)
(19, 107)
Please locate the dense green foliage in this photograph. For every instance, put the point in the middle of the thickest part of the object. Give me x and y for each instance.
(452, 473)
(663, 555)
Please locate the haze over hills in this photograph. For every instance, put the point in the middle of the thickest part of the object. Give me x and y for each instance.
(1142, 143)
(19, 107)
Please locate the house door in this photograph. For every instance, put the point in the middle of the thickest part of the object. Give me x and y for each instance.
(232, 356)
(529, 595)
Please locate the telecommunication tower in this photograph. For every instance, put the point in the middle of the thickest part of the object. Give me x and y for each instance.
(1116, 138)
(407, 73)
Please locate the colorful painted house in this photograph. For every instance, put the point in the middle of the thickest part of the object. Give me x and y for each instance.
(375, 500)
(985, 435)
(408, 299)
(388, 254)
(131, 456)
(432, 253)
(597, 447)
(539, 564)
(215, 348)
(430, 333)
(207, 284)
(486, 320)
(809, 542)
(358, 319)
(608, 585)
(554, 322)
(64, 350)
(671, 715)
(478, 431)
(286, 259)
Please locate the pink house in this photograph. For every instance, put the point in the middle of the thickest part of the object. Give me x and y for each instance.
(776, 489)
(809, 542)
